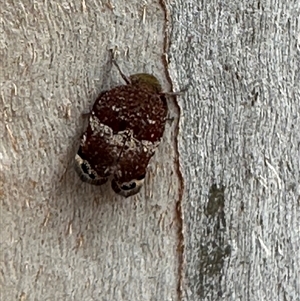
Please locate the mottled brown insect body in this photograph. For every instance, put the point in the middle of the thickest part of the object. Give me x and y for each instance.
(125, 127)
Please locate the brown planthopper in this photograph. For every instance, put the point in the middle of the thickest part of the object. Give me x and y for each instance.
(125, 127)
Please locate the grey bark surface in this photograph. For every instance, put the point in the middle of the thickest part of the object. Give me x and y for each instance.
(62, 239)
(238, 140)
(239, 144)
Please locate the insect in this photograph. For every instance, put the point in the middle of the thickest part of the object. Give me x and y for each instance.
(125, 127)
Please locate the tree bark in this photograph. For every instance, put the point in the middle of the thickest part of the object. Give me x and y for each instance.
(239, 147)
(218, 216)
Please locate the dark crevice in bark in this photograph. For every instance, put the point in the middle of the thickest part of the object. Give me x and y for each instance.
(179, 210)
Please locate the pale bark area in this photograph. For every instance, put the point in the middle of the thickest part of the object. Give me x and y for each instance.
(239, 145)
(62, 239)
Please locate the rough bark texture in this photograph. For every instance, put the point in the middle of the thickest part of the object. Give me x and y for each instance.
(62, 239)
(239, 145)
(239, 142)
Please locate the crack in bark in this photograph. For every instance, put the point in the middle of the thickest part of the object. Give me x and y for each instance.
(179, 210)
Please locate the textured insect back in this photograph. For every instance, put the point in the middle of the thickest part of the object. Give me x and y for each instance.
(125, 127)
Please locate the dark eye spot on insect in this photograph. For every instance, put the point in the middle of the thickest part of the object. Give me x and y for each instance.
(92, 176)
(86, 173)
(128, 187)
(84, 168)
